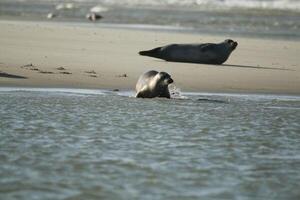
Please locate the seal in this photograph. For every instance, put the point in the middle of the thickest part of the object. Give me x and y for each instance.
(206, 53)
(93, 16)
(153, 84)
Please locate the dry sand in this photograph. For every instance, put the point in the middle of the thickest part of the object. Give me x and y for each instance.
(55, 55)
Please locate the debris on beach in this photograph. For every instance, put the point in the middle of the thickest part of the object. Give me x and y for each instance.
(65, 72)
(90, 72)
(61, 68)
(93, 16)
(28, 66)
(46, 72)
(122, 76)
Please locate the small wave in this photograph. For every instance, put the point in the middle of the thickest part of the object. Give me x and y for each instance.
(283, 108)
(213, 4)
(65, 6)
(98, 9)
(254, 4)
(248, 96)
(60, 90)
(278, 157)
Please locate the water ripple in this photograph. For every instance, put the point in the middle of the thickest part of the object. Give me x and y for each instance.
(93, 145)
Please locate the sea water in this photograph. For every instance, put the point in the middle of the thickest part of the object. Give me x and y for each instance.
(94, 144)
(229, 18)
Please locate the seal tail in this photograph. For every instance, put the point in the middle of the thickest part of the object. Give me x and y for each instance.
(152, 53)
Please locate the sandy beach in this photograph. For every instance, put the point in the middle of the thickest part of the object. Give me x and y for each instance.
(36, 54)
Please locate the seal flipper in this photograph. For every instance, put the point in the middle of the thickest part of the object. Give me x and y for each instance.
(139, 95)
(156, 53)
(165, 94)
(142, 93)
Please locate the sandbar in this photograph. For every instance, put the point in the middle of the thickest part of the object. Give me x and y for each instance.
(54, 55)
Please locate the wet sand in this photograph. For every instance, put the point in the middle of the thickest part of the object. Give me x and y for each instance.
(55, 55)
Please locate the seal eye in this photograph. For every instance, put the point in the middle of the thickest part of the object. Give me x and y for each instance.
(229, 41)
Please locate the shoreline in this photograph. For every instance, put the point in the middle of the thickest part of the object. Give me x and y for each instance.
(131, 93)
(107, 58)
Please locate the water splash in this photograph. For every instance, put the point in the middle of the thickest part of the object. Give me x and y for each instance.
(176, 92)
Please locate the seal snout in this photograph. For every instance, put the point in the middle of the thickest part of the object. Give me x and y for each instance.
(165, 77)
(234, 45)
(170, 80)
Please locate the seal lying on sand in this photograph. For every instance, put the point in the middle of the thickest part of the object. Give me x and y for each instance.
(153, 84)
(207, 53)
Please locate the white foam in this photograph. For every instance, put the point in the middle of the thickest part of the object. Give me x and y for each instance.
(98, 9)
(65, 6)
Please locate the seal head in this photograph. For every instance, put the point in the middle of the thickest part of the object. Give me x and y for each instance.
(232, 44)
(164, 78)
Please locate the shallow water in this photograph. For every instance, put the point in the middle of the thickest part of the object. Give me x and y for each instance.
(91, 144)
(255, 18)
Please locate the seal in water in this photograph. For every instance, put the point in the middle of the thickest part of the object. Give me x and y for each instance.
(153, 84)
(207, 53)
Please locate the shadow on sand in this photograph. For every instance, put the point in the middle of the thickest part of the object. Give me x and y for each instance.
(6, 75)
(253, 67)
(231, 65)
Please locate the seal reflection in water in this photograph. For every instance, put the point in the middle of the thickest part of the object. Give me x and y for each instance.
(206, 53)
(153, 84)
